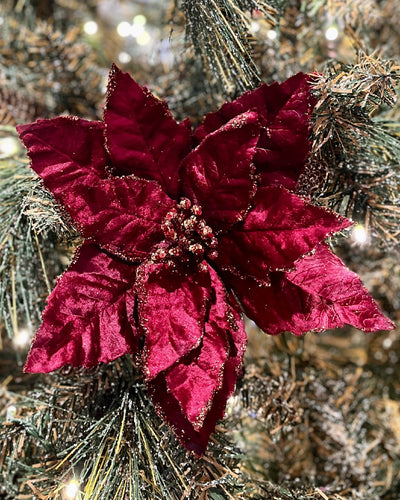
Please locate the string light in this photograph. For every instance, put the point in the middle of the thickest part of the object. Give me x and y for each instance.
(11, 413)
(143, 39)
(332, 33)
(8, 146)
(90, 27)
(140, 20)
(359, 234)
(272, 34)
(124, 57)
(137, 30)
(71, 490)
(255, 26)
(22, 337)
(124, 29)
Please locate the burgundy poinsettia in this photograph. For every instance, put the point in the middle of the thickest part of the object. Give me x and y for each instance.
(182, 232)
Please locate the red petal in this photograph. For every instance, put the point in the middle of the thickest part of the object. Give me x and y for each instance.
(321, 293)
(282, 151)
(123, 215)
(142, 136)
(218, 173)
(281, 228)
(195, 379)
(172, 309)
(169, 408)
(89, 315)
(284, 111)
(58, 144)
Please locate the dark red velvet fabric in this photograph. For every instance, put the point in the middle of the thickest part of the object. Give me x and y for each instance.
(177, 229)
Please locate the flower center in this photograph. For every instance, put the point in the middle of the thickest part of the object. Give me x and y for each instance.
(187, 234)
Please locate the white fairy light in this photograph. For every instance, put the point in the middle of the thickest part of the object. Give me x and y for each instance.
(11, 412)
(272, 34)
(140, 20)
(255, 26)
(90, 27)
(332, 33)
(71, 490)
(137, 30)
(143, 39)
(124, 57)
(8, 146)
(359, 234)
(22, 337)
(124, 29)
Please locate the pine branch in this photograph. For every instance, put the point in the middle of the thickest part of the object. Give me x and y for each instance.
(219, 31)
(30, 226)
(99, 427)
(56, 70)
(357, 148)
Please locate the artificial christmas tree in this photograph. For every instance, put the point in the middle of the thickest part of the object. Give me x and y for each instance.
(246, 200)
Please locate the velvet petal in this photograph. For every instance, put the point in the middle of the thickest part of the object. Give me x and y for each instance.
(284, 111)
(277, 231)
(59, 144)
(218, 173)
(321, 293)
(142, 136)
(195, 379)
(123, 215)
(89, 315)
(170, 410)
(284, 146)
(172, 308)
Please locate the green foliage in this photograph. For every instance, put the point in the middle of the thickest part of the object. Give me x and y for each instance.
(99, 428)
(220, 31)
(28, 217)
(358, 144)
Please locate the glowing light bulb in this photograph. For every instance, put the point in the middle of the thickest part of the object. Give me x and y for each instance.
(255, 26)
(140, 20)
(359, 234)
(124, 29)
(22, 337)
(332, 33)
(71, 490)
(124, 57)
(272, 34)
(11, 412)
(8, 146)
(143, 39)
(90, 27)
(137, 30)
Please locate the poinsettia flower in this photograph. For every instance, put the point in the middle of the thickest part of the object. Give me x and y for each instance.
(177, 229)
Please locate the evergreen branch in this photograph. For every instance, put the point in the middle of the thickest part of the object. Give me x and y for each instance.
(30, 224)
(219, 31)
(100, 428)
(358, 149)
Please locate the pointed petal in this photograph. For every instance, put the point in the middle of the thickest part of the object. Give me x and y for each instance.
(170, 410)
(54, 144)
(89, 315)
(142, 136)
(123, 215)
(172, 309)
(324, 275)
(284, 111)
(195, 379)
(321, 293)
(218, 174)
(277, 231)
(283, 149)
